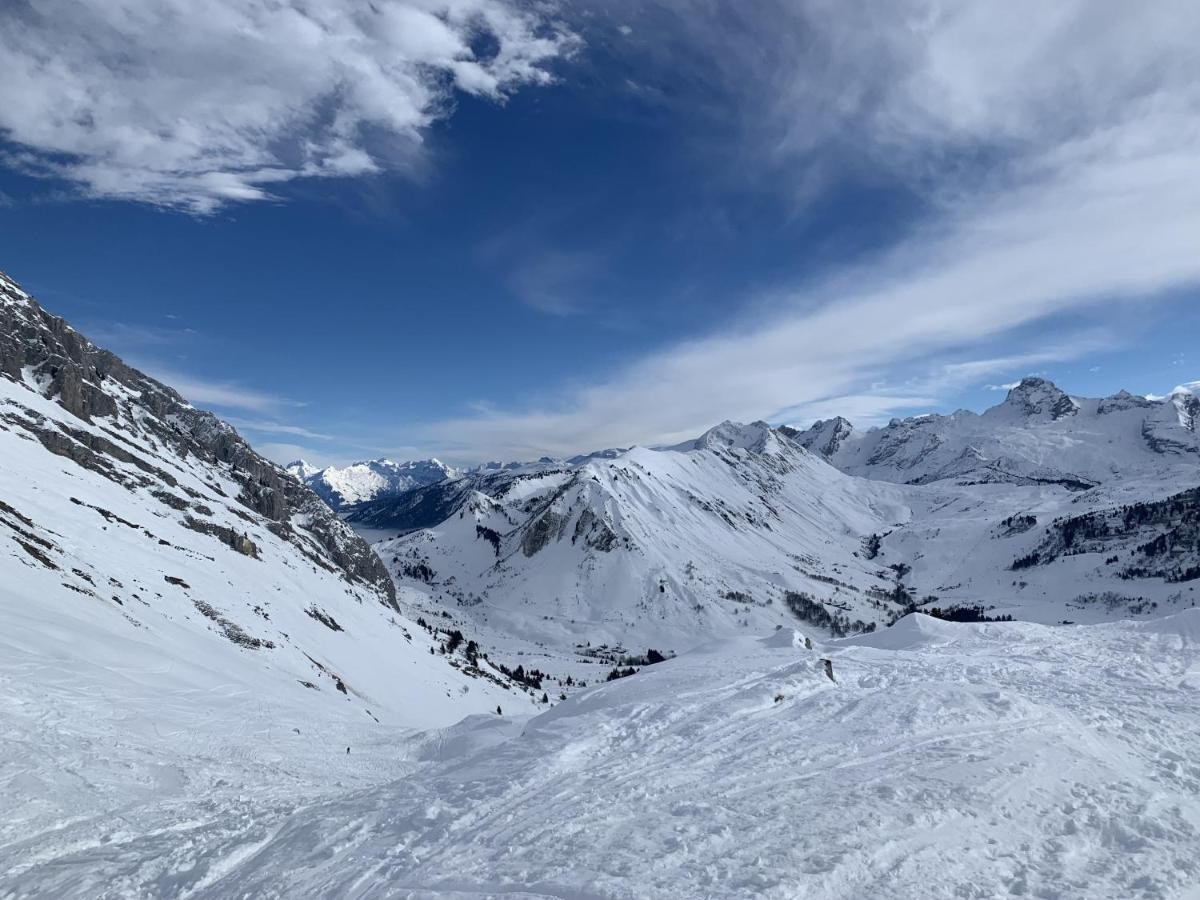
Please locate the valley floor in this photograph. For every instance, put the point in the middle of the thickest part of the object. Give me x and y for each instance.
(946, 760)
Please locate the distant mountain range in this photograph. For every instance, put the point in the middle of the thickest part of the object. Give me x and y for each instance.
(750, 526)
(369, 480)
(1038, 435)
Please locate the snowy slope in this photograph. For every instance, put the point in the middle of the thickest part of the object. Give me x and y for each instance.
(145, 547)
(660, 547)
(369, 480)
(946, 760)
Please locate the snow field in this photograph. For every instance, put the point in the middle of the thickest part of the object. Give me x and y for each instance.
(945, 761)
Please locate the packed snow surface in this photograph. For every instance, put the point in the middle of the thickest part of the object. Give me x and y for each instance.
(945, 760)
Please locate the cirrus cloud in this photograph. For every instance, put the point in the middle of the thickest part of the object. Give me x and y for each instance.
(1056, 148)
(195, 105)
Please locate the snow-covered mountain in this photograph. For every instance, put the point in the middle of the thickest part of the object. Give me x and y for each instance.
(147, 551)
(746, 527)
(1038, 435)
(370, 480)
(658, 546)
(431, 505)
(301, 470)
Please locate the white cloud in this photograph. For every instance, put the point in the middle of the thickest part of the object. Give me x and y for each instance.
(195, 105)
(203, 392)
(269, 426)
(128, 336)
(553, 282)
(1057, 145)
(1102, 232)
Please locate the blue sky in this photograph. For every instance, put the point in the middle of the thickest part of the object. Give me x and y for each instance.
(514, 229)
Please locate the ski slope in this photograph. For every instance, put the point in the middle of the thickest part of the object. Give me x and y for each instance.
(946, 760)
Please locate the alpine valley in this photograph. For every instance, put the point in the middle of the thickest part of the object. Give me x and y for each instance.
(955, 656)
(1045, 508)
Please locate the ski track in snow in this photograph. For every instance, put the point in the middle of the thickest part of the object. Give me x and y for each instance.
(963, 761)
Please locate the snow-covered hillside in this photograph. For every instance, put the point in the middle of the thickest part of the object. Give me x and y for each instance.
(942, 760)
(743, 528)
(149, 556)
(370, 480)
(661, 547)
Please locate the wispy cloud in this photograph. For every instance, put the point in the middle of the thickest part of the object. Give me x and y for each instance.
(1057, 147)
(1107, 231)
(269, 426)
(555, 282)
(221, 394)
(195, 105)
(132, 338)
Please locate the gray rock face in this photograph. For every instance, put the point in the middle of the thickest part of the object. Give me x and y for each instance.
(1037, 397)
(824, 437)
(43, 350)
(1187, 407)
(547, 527)
(1122, 400)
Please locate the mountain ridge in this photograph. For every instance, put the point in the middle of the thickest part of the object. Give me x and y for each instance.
(131, 519)
(1038, 433)
(744, 526)
(367, 480)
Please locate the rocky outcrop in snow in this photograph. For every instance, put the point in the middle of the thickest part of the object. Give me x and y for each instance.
(1035, 398)
(43, 351)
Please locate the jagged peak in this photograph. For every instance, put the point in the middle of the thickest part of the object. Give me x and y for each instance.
(1122, 400)
(301, 469)
(90, 383)
(824, 437)
(1035, 397)
(755, 437)
(12, 293)
(835, 422)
